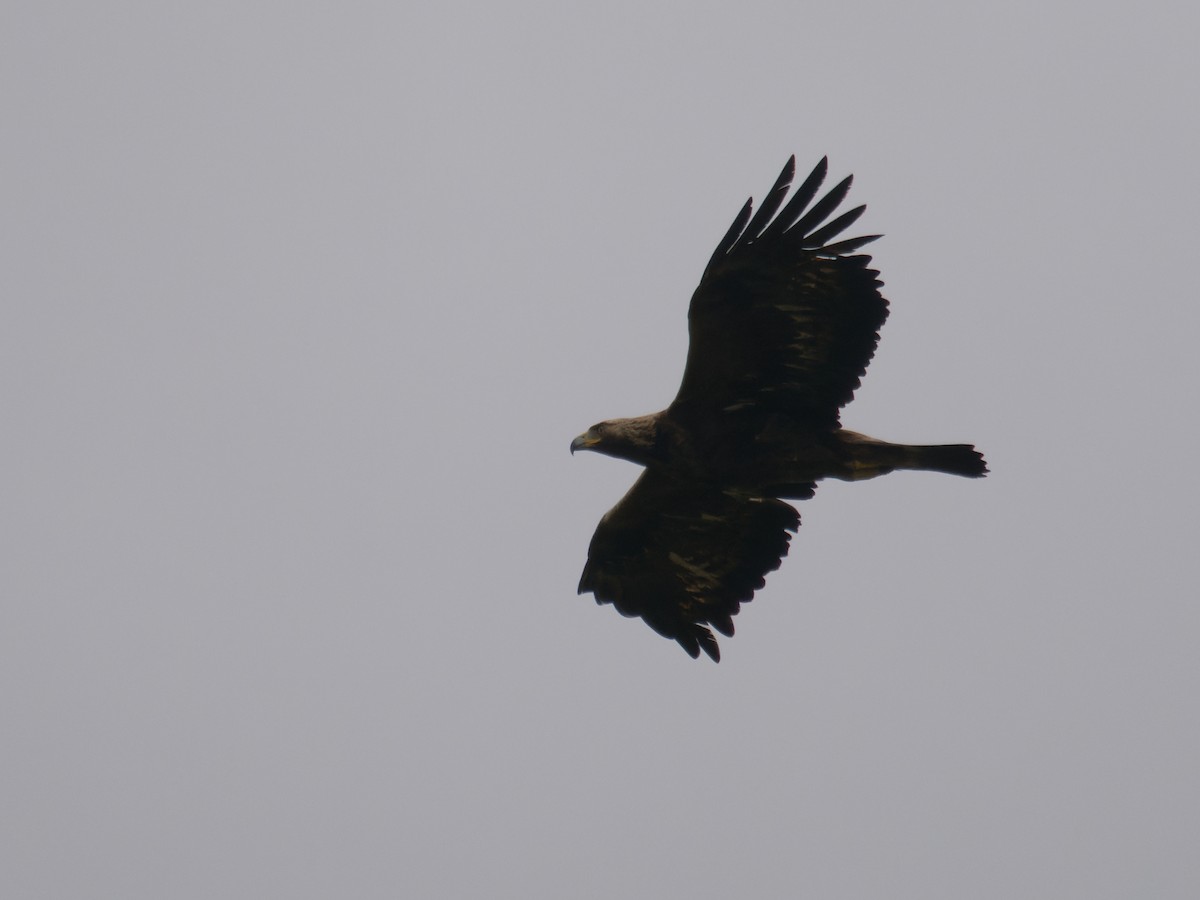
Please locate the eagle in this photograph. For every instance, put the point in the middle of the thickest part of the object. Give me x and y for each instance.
(781, 328)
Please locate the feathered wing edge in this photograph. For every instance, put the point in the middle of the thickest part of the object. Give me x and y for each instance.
(796, 216)
(783, 297)
(684, 561)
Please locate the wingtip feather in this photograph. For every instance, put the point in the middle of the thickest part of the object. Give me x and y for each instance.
(709, 645)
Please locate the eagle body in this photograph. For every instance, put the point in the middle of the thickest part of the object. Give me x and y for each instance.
(781, 329)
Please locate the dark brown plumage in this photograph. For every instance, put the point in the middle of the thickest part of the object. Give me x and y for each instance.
(781, 330)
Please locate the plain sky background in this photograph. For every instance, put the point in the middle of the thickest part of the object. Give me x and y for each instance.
(302, 306)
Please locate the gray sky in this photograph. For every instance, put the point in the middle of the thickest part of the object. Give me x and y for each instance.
(303, 304)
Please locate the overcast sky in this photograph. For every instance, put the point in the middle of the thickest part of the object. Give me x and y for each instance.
(302, 306)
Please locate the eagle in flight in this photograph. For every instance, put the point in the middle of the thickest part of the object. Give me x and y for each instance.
(781, 328)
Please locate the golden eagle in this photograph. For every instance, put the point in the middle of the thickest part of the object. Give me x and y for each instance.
(781, 330)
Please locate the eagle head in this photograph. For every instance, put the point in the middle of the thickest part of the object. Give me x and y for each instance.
(633, 439)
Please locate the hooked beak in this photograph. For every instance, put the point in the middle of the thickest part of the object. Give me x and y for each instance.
(585, 441)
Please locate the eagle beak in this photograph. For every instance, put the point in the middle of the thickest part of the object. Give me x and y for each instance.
(584, 442)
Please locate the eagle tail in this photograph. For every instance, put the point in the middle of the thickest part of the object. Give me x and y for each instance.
(867, 457)
(953, 459)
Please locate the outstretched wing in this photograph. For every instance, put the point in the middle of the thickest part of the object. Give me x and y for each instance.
(684, 557)
(784, 321)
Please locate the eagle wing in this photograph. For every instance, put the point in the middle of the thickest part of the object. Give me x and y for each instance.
(783, 321)
(684, 556)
